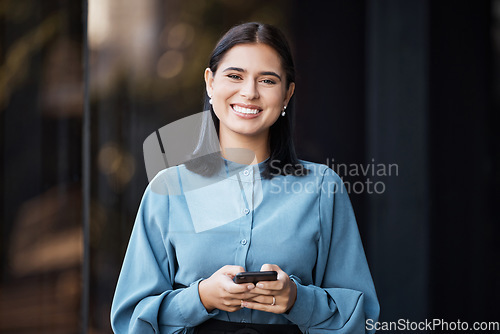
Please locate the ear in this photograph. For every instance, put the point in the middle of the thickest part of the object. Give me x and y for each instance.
(289, 93)
(209, 81)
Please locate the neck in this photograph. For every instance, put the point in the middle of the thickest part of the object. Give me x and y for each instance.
(247, 150)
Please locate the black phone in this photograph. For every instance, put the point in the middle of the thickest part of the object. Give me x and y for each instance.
(255, 276)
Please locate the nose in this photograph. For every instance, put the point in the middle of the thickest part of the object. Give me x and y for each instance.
(249, 90)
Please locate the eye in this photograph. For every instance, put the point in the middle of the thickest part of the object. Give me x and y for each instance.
(234, 76)
(269, 81)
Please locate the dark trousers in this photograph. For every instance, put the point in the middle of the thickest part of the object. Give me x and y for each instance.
(223, 327)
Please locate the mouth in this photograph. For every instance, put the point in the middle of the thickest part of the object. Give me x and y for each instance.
(248, 111)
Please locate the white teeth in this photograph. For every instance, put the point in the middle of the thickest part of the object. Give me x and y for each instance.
(245, 110)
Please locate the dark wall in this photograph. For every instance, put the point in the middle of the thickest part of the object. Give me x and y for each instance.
(329, 41)
(464, 170)
(411, 83)
(41, 107)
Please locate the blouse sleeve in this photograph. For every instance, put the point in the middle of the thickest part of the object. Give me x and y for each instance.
(145, 300)
(343, 296)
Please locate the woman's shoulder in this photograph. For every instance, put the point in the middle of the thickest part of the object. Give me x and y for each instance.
(165, 182)
(178, 179)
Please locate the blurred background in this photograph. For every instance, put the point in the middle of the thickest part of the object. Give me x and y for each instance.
(413, 84)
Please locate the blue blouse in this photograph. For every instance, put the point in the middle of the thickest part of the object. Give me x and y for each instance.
(189, 226)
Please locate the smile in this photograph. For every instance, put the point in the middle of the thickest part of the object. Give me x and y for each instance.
(245, 112)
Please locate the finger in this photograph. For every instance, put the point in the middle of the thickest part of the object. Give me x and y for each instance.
(231, 270)
(265, 292)
(230, 287)
(227, 281)
(239, 296)
(274, 267)
(261, 299)
(266, 287)
(234, 289)
(269, 267)
(231, 303)
(263, 307)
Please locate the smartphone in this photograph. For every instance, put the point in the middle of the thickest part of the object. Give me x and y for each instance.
(255, 276)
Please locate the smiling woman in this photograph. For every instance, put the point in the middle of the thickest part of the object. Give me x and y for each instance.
(208, 224)
(256, 61)
(248, 94)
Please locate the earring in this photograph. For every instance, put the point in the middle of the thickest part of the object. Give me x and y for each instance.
(210, 101)
(283, 113)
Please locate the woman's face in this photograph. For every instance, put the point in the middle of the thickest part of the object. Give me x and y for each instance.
(248, 90)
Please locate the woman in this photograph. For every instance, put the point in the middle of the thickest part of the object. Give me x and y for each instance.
(219, 214)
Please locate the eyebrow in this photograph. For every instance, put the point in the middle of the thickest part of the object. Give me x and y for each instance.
(239, 69)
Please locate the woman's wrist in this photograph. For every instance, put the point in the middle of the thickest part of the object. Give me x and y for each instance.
(293, 295)
(202, 291)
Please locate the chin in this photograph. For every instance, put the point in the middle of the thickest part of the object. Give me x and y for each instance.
(246, 131)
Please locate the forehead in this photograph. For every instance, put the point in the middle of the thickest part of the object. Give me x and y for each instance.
(252, 56)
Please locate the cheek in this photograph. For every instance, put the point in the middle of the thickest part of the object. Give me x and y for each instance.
(224, 90)
(219, 101)
(218, 107)
(276, 100)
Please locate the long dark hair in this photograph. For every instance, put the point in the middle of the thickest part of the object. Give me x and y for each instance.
(283, 159)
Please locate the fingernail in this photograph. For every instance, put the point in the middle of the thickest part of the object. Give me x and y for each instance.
(250, 286)
(260, 285)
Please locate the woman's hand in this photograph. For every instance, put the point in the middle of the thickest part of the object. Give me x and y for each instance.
(283, 290)
(220, 292)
